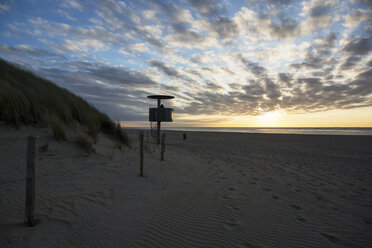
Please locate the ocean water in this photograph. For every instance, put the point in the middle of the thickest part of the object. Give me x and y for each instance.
(311, 131)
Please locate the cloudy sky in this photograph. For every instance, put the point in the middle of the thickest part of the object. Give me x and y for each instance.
(228, 63)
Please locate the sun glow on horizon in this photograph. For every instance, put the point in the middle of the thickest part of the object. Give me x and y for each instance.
(269, 119)
(360, 117)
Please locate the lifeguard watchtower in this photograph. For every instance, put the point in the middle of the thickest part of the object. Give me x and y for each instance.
(160, 113)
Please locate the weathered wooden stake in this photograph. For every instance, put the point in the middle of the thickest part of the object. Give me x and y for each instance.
(162, 146)
(31, 179)
(184, 136)
(141, 154)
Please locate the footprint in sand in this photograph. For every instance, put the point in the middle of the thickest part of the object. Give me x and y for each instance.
(266, 189)
(275, 197)
(303, 220)
(367, 222)
(295, 207)
(224, 197)
(233, 208)
(230, 226)
(248, 245)
(231, 188)
(331, 238)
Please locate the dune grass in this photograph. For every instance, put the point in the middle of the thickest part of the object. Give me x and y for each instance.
(28, 99)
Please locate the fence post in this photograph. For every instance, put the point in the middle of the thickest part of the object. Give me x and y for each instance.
(141, 154)
(162, 146)
(184, 136)
(31, 179)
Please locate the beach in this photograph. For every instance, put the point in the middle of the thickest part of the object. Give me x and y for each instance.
(211, 190)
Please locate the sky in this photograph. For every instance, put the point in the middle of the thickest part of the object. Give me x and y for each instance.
(275, 63)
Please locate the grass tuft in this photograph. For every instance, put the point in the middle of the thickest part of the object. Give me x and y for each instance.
(28, 99)
(85, 141)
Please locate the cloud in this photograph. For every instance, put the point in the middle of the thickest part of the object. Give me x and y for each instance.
(209, 8)
(23, 50)
(318, 13)
(286, 28)
(274, 2)
(120, 52)
(362, 85)
(225, 28)
(350, 62)
(253, 67)
(285, 77)
(318, 55)
(357, 46)
(212, 86)
(356, 17)
(71, 4)
(367, 3)
(164, 68)
(4, 7)
(266, 25)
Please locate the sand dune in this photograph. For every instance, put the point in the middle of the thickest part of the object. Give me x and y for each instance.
(212, 190)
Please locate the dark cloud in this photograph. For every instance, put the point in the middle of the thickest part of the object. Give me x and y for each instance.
(312, 85)
(362, 85)
(318, 56)
(235, 86)
(228, 70)
(204, 68)
(369, 63)
(225, 28)
(195, 59)
(274, 2)
(254, 68)
(286, 28)
(182, 31)
(350, 62)
(194, 72)
(326, 44)
(119, 19)
(271, 89)
(320, 8)
(119, 76)
(254, 89)
(186, 35)
(164, 68)
(367, 3)
(358, 46)
(285, 77)
(26, 50)
(212, 86)
(209, 8)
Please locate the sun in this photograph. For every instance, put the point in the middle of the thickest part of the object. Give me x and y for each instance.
(269, 119)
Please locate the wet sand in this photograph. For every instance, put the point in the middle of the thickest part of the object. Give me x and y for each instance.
(212, 190)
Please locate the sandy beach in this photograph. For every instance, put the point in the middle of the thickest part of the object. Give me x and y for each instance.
(212, 190)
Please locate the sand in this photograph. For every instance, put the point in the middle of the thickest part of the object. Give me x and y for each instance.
(212, 190)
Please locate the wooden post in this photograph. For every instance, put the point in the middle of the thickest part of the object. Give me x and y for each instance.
(162, 146)
(158, 133)
(141, 154)
(184, 136)
(31, 179)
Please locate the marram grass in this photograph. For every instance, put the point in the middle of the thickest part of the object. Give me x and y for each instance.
(28, 99)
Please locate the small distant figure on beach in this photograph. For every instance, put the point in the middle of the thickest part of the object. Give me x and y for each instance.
(161, 106)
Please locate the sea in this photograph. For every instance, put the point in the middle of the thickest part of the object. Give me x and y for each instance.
(310, 131)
